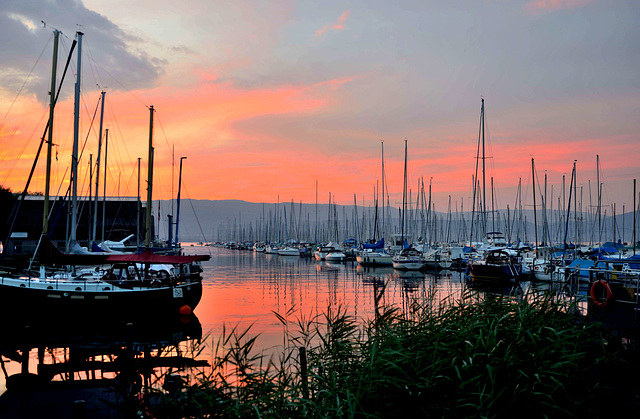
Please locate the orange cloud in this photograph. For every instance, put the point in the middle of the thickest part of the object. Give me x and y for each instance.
(338, 25)
(536, 6)
(199, 121)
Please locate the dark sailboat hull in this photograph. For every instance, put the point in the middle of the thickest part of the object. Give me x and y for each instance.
(107, 301)
(491, 272)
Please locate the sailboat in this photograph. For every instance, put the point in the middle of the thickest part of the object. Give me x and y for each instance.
(499, 263)
(136, 292)
(373, 253)
(408, 259)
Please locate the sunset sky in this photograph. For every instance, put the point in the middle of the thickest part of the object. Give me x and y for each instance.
(266, 98)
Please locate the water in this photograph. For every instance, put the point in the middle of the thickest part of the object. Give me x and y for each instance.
(243, 288)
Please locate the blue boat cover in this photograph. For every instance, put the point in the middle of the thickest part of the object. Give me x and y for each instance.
(379, 245)
(581, 264)
(96, 248)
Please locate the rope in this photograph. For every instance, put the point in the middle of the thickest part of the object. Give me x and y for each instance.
(194, 213)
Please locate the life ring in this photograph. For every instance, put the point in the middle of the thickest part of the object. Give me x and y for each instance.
(604, 284)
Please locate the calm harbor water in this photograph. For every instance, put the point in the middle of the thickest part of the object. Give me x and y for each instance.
(244, 289)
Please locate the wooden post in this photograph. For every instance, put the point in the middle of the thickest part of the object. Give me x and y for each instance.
(304, 372)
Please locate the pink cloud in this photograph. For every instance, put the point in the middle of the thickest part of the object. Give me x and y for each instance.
(335, 83)
(338, 25)
(537, 6)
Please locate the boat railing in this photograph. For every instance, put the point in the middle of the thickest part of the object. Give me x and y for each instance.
(624, 277)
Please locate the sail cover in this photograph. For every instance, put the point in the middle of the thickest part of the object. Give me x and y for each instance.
(379, 245)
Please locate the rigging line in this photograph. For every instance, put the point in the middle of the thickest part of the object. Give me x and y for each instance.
(117, 144)
(12, 134)
(93, 64)
(89, 130)
(168, 145)
(121, 85)
(15, 161)
(18, 203)
(194, 211)
(163, 133)
(114, 121)
(46, 111)
(25, 81)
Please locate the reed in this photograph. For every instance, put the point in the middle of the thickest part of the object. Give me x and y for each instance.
(478, 356)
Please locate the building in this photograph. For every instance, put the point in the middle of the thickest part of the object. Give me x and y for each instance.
(124, 216)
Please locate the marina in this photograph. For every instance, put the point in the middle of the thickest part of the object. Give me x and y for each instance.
(347, 237)
(250, 292)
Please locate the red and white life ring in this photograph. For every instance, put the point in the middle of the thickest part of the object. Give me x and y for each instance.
(593, 293)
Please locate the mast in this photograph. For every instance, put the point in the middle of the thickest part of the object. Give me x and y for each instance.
(74, 156)
(614, 222)
(566, 225)
(599, 200)
(484, 183)
(138, 209)
(473, 206)
(575, 202)
(520, 221)
(535, 217)
(90, 196)
(383, 182)
(463, 224)
(545, 225)
(429, 215)
(589, 213)
(104, 183)
(52, 102)
(404, 192)
(95, 205)
(493, 210)
(508, 225)
(448, 238)
(375, 218)
(634, 217)
(147, 238)
(173, 171)
(178, 202)
(299, 231)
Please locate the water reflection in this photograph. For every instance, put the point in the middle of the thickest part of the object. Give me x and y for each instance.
(240, 288)
(114, 367)
(245, 288)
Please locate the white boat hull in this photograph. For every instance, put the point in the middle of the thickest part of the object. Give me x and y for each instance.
(407, 264)
(335, 257)
(289, 252)
(375, 259)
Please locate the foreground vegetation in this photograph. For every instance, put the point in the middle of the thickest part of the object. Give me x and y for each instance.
(480, 356)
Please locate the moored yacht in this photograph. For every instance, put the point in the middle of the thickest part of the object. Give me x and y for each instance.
(373, 254)
(322, 251)
(289, 251)
(500, 265)
(335, 256)
(408, 259)
(374, 258)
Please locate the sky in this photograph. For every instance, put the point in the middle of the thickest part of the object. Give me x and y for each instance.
(266, 100)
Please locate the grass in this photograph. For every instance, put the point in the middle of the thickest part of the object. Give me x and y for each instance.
(479, 356)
